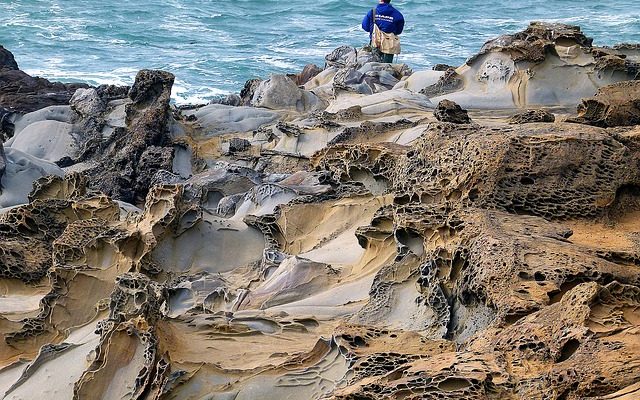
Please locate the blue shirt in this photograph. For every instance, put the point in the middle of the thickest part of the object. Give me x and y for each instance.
(388, 19)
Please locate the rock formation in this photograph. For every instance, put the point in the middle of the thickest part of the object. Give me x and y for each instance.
(448, 111)
(614, 105)
(21, 92)
(331, 239)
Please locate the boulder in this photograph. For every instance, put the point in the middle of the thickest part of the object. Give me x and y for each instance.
(48, 140)
(246, 94)
(419, 80)
(87, 103)
(449, 111)
(531, 116)
(614, 105)
(370, 78)
(281, 93)
(218, 119)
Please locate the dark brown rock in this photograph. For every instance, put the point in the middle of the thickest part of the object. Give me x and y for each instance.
(442, 67)
(7, 61)
(21, 92)
(530, 116)
(308, 72)
(449, 111)
(246, 94)
(614, 105)
(536, 41)
(138, 151)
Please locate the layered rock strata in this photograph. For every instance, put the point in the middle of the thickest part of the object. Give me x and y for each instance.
(335, 240)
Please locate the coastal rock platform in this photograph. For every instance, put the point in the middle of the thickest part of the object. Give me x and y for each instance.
(328, 236)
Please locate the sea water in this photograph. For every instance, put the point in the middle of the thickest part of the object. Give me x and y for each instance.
(213, 47)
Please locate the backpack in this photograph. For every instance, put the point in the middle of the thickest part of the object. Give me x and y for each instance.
(388, 43)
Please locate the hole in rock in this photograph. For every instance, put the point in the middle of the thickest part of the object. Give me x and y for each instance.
(412, 240)
(527, 180)
(453, 384)
(568, 349)
(213, 199)
(474, 194)
(377, 185)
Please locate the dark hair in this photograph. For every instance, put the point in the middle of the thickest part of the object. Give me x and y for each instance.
(386, 1)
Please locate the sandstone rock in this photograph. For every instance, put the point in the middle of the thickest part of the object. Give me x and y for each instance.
(419, 80)
(614, 105)
(546, 64)
(281, 93)
(449, 111)
(531, 116)
(397, 100)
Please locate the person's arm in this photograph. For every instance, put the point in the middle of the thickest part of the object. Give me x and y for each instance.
(399, 25)
(366, 22)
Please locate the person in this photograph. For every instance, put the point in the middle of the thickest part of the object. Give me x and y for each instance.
(388, 19)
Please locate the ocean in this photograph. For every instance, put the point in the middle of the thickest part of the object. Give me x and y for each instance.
(213, 47)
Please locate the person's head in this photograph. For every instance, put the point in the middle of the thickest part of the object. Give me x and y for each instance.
(385, 1)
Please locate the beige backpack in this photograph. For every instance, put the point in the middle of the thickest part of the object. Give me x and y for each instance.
(388, 43)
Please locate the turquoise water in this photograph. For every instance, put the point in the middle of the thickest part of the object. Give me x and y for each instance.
(213, 47)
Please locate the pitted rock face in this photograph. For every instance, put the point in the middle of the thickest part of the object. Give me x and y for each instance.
(613, 105)
(532, 116)
(151, 86)
(143, 147)
(449, 111)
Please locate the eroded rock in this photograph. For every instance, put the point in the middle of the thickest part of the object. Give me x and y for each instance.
(614, 105)
(532, 116)
(449, 111)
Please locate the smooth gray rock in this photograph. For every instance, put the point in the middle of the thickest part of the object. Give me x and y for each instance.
(47, 140)
(219, 119)
(281, 93)
(21, 170)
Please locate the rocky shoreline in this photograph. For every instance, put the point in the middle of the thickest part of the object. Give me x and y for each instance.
(354, 231)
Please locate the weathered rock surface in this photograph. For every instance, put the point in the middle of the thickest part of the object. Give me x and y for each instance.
(614, 105)
(449, 111)
(532, 116)
(363, 249)
(546, 64)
